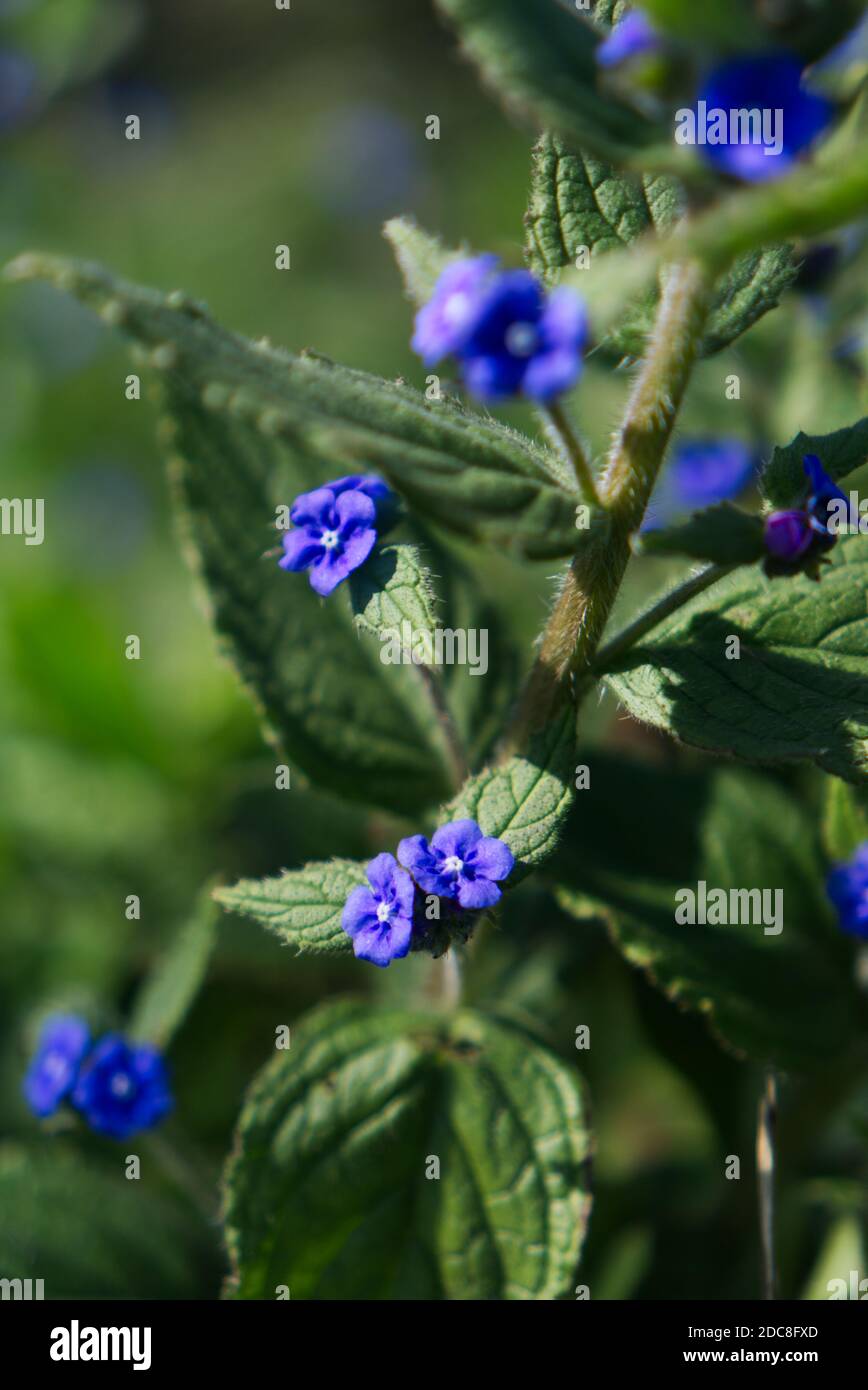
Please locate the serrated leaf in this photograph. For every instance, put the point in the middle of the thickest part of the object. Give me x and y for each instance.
(168, 992)
(537, 58)
(841, 453)
(845, 819)
(640, 834)
(465, 471)
(576, 201)
(89, 1233)
(393, 588)
(579, 201)
(303, 906)
(327, 1192)
(421, 257)
(798, 689)
(525, 799)
(722, 534)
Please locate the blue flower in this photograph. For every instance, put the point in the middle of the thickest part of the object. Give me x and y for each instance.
(797, 538)
(122, 1087)
(700, 473)
(847, 886)
(509, 337)
(380, 918)
(62, 1045)
(334, 534)
(460, 862)
(632, 36)
(768, 82)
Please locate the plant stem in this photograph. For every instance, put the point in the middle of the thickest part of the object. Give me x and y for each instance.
(670, 603)
(183, 1175)
(765, 1164)
(444, 980)
(451, 737)
(562, 427)
(583, 607)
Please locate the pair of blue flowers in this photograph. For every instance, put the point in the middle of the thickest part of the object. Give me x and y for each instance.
(460, 864)
(117, 1086)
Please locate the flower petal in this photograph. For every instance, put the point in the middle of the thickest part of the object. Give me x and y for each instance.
(457, 837)
(491, 858)
(360, 911)
(301, 548)
(313, 508)
(477, 892)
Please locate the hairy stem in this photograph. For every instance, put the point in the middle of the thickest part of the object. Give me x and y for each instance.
(575, 627)
(452, 741)
(765, 1168)
(608, 655)
(562, 428)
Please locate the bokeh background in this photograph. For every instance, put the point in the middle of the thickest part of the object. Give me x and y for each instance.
(116, 777)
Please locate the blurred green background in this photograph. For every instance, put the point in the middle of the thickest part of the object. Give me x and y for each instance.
(306, 128)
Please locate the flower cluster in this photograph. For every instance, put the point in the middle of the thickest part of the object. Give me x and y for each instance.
(847, 886)
(117, 1086)
(798, 538)
(336, 528)
(460, 865)
(509, 337)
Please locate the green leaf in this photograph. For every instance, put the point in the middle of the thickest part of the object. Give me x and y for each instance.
(421, 257)
(394, 587)
(525, 799)
(90, 1233)
(168, 993)
(327, 1190)
(722, 534)
(469, 473)
(579, 201)
(725, 24)
(845, 819)
(841, 453)
(639, 835)
(799, 688)
(844, 1249)
(303, 907)
(537, 57)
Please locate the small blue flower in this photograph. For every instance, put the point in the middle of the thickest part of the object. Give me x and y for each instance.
(771, 81)
(509, 337)
(847, 887)
(798, 537)
(122, 1087)
(53, 1072)
(334, 534)
(380, 918)
(700, 473)
(631, 37)
(460, 862)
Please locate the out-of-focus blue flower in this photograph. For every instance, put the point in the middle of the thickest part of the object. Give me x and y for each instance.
(122, 1088)
(700, 473)
(53, 1072)
(379, 919)
(847, 887)
(333, 535)
(771, 83)
(18, 88)
(509, 337)
(632, 37)
(460, 862)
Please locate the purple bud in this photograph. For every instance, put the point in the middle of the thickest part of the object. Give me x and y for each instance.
(788, 535)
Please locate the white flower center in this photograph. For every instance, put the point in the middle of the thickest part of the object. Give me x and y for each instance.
(330, 539)
(120, 1085)
(521, 339)
(453, 865)
(384, 912)
(456, 307)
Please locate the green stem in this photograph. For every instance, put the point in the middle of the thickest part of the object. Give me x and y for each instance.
(452, 741)
(562, 427)
(670, 603)
(582, 610)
